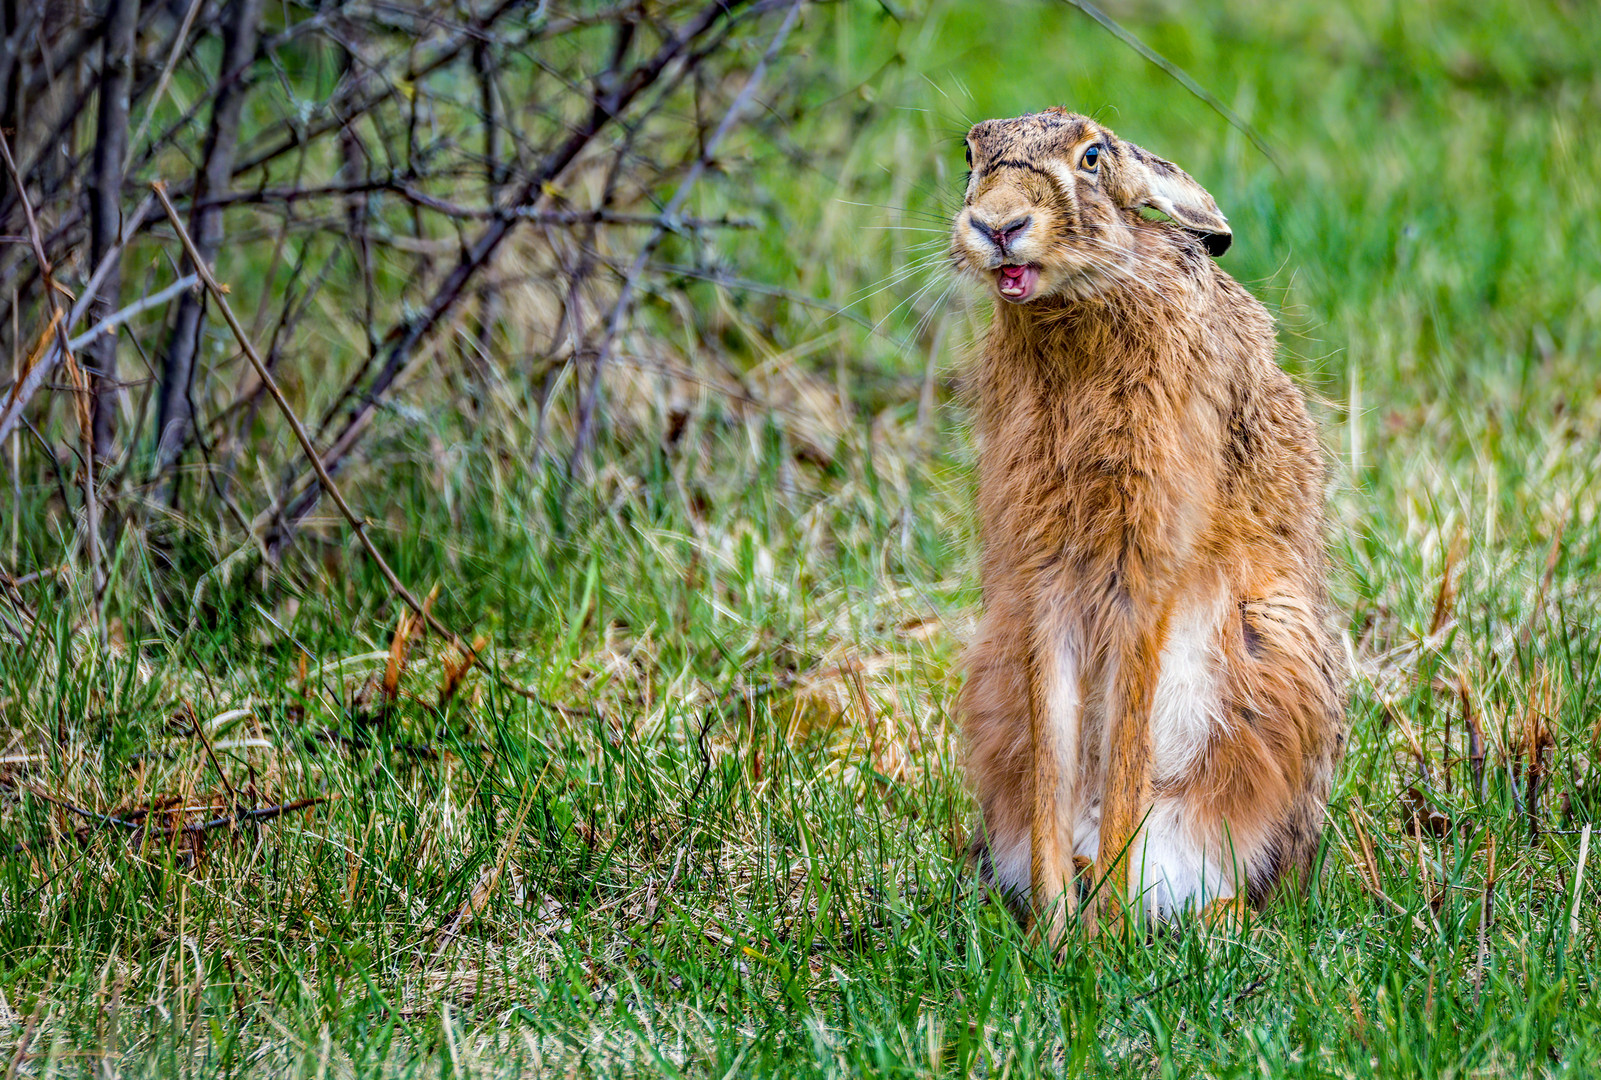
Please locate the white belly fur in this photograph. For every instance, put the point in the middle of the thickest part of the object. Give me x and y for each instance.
(1174, 865)
(1187, 708)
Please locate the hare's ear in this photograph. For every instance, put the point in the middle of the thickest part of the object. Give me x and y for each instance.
(1143, 179)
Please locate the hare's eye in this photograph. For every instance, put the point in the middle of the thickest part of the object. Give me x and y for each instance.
(1090, 158)
(969, 151)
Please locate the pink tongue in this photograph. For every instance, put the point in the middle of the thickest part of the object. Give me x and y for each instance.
(1018, 281)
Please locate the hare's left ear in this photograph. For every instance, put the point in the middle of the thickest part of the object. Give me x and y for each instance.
(1143, 179)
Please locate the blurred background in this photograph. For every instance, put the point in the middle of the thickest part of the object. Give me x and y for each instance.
(626, 329)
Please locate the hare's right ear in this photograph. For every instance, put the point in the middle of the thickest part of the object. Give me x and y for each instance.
(1143, 179)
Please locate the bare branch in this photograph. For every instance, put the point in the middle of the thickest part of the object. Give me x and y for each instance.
(408, 335)
(28, 385)
(271, 384)
(58, 326)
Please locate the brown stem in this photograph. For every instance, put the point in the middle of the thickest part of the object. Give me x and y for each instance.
(59, 321)
(494, 176)
(1470, 719)
(30, 379)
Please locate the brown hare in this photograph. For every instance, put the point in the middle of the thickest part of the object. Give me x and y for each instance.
(1151, 690)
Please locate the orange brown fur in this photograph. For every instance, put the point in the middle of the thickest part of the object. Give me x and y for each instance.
(1150, 500)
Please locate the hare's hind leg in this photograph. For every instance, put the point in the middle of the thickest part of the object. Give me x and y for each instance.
(1181, 859)
(1287, 694)
(1250, 782)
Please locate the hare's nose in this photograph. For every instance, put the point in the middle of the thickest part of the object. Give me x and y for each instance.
(1006, 234)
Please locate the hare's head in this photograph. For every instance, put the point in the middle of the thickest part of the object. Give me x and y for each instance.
(1052, 202)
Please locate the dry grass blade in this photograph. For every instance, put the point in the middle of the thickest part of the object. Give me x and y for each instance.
(1553, 555)
(456, 669)
(399, 649)
(1536, 745)
(1445, 599)
(485, 886)
(21, 388)
(1367, 872)
(406, 627)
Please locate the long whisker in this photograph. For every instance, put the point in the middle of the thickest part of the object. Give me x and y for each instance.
(966, 118)
(899, 279)
(925, 258)
(909, 300)
(1124, 273)
(927, 215)
(896, 277)
(939, 302)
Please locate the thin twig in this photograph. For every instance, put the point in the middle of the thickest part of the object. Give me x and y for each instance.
(408, 193)
(134, 310)
(166, 74)
(404, 338)
(138, 823)
(32, 378)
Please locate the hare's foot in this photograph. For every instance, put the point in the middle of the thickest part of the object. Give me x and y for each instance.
(1054, 894)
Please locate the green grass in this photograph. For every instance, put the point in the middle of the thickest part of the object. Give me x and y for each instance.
(726, 837)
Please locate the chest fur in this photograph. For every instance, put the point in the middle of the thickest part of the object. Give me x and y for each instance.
(1078, 471)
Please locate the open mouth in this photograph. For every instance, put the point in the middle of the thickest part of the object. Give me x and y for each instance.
(1017, 282)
